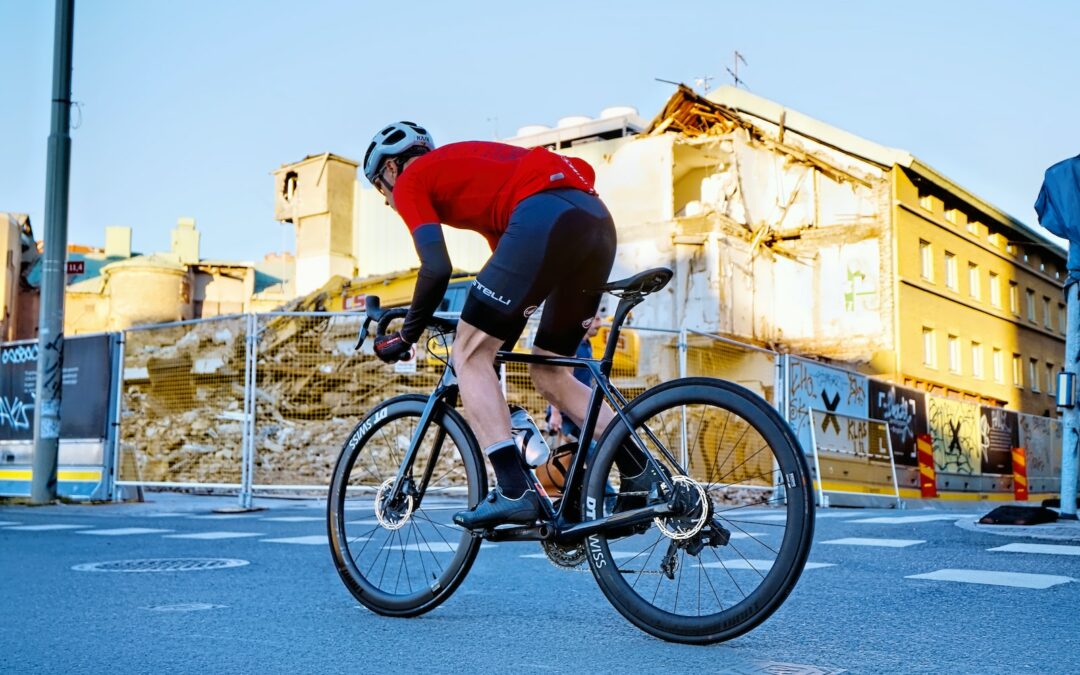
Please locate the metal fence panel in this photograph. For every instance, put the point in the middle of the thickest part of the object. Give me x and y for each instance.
(182, 415)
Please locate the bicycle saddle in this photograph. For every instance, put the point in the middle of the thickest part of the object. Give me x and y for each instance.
(641, 283)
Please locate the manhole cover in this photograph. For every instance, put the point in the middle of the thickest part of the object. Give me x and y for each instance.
(161, 565)
(184, 607)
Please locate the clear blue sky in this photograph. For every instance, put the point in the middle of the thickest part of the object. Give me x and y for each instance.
(188, 106)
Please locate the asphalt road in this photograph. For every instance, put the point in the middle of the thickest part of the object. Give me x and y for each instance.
(855, 610)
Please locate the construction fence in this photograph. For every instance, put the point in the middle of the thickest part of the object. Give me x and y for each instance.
(263, 403)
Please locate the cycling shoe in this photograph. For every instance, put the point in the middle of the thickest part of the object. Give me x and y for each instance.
(498, 509)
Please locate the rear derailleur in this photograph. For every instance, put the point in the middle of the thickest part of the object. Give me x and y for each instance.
(713, 534)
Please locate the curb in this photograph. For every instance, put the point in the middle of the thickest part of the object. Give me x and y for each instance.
(1059, 531)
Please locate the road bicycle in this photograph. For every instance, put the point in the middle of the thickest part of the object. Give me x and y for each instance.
(703, 551)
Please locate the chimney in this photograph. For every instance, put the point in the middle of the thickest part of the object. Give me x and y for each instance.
(117, 241)
(185, 241)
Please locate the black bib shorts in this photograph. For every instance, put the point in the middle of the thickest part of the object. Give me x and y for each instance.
(558, 247)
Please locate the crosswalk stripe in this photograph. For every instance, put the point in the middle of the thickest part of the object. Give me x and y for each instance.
(902, 520)
(992, 578)
(1052, 549)
(886, 543)
(214, 535)
(292, 519)
(220, 516)
(49, 527)
(759, 565)
(5, 523)
(123, 531)
(310, 540)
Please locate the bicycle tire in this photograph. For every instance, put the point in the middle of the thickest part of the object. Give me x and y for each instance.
(387, 423)
(778, 576)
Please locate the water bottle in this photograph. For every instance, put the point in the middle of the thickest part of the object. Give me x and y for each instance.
(528, 438)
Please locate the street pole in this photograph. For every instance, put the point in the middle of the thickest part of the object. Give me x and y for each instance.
(1070, 440)
(50, 363)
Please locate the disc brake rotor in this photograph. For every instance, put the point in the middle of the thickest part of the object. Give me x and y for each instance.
(566, 557)
(695, 513)
(392, 516)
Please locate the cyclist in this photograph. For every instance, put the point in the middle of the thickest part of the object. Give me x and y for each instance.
(552, 241)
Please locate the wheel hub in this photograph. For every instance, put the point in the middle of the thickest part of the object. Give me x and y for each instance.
(692, 506)
(393, 514)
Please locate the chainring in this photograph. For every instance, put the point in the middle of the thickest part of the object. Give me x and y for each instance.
(565, 557)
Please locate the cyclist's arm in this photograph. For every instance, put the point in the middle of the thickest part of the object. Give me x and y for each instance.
(431, 281)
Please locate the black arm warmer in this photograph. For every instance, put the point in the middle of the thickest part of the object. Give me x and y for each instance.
(431, 282)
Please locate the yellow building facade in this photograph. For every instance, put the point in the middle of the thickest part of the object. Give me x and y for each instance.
(982, 316)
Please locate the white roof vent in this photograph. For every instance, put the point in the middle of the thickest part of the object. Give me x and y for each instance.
(530, 129)
(617, 111)
(573, 121)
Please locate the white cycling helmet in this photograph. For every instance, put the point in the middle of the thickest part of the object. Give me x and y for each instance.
(392, 141)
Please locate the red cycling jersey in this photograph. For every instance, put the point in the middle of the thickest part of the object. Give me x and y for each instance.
(476, 185)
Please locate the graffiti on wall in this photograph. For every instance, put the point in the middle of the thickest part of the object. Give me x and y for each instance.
(1041, 439)
(999, 433)
(849, 289)
(905, 411)
(954, 426)
(841, 398)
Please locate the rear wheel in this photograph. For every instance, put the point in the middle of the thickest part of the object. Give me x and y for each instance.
(404, 557)
(730, 559)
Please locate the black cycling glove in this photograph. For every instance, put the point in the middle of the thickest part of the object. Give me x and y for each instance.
(392, 347)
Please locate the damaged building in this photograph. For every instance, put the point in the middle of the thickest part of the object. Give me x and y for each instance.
(788, 233)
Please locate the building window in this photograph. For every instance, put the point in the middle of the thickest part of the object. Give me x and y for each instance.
(950, 271)
(926, 201)
(929, 348)
(974, 287)
(1061, 317)
(977, 360)
(1014, 298)
(1033, 374)
(1018, 371)
(996, 240)
(1031, 305)
(1047, 320)
(954, 354)
(926, 259)
(995, 290)
(1010, 248)
(951, 215)
(1050, 379)
(999, 366)
(973, 227)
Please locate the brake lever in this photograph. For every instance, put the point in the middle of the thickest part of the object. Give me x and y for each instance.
(363, 334)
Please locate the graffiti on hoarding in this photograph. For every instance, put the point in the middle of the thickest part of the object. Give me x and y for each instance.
(15, 413)
(999, 433)
(954, 427)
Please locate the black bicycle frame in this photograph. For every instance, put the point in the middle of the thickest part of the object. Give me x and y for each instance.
(565, 531)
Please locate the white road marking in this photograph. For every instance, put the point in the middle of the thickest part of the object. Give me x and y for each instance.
(310, 540)
(5, 523)
(214, 535)
(221, 516)
(779, 517)
(990, 578)
(901, 520)
(124, 531)
(167, 514)
(46, 528)
(887, 543)
(748, 535)
(432, 547)
(1052, 549)
(293, 519)
(759, 565)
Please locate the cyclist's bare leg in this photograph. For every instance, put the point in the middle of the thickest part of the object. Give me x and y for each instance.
(485, 406)
(559, 386)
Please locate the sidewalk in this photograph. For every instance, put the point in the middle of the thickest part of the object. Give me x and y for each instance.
(1062, 530)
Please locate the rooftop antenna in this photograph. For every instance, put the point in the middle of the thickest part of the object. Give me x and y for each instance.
(704, 81)
(735, 72)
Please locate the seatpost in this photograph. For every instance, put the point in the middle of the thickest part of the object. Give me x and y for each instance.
(626, 303)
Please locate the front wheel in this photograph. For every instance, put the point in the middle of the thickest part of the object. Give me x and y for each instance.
(404, 557)
(737, 549)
